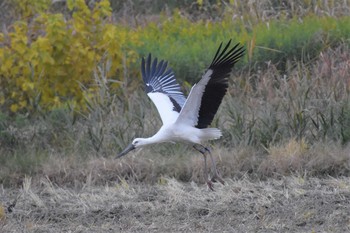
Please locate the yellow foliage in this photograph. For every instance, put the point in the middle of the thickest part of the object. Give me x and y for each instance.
(28, 8)
(51, 57)
(14, 107)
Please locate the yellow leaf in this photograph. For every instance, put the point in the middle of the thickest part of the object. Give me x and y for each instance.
(70, 4)
(19, 47)
(105, 4)
(46, 58)
(24, 87)
(56, 101)
(2, 99)
(23, 103)
(14, 107)
(27, 86)
(2, 37)
(7, 64)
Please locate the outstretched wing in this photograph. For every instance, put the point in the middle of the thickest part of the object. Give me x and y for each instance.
(206, 96)
(162, 88)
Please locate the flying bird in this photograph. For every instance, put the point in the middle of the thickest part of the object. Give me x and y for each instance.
(187, 119)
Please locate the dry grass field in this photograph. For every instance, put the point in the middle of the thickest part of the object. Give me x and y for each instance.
(290, 204)
(147, 193)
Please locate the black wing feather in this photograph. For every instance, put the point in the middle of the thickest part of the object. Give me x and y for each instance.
(158, 78)
(216, 88)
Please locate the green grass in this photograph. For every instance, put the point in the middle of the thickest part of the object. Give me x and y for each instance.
(189, 46)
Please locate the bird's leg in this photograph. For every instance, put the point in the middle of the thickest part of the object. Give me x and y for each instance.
(216, 175)
(206, 174)
(203, 151)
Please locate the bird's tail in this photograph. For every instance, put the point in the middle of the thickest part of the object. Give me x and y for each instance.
(211, 133)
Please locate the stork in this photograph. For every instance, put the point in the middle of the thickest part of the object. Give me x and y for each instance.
(187, 120)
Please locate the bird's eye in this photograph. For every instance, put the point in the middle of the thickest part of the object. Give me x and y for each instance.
(136, 142)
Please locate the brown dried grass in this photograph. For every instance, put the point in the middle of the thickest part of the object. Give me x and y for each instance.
(292, 204)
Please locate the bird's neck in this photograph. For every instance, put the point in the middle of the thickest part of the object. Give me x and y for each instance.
(149, 141)
(157, 138)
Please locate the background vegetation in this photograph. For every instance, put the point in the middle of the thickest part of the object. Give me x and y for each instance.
(71, 95)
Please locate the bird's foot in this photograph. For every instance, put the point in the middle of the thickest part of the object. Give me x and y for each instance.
(210, 185)
(216, 178)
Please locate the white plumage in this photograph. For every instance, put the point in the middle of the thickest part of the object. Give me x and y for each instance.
(188, 119)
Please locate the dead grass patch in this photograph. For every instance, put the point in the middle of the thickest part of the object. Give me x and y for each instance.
(293, 203)
(299, 157)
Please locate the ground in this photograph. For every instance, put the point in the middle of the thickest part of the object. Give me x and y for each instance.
(291, 204)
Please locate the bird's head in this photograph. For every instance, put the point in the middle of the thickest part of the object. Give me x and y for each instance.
(136, 143)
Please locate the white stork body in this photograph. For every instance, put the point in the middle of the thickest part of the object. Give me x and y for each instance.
(181, 133)
(187, 120)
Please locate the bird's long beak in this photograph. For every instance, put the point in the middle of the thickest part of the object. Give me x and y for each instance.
(126, 150)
